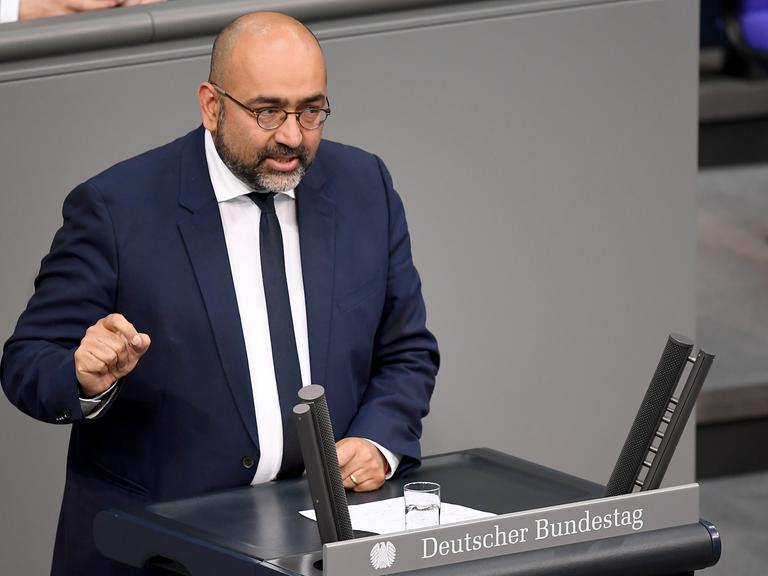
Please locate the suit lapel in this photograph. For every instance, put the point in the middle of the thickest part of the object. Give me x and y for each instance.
(203, 236)
(317, 239)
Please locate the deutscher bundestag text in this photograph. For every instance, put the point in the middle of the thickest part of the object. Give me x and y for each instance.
(540, 529)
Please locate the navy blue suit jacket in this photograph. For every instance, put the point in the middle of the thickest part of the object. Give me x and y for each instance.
(145, 239)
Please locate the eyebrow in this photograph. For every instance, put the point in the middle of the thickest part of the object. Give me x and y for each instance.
(277, 101)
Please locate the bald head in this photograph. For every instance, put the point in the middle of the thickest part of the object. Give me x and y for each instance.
(263, 65)
(254, 32)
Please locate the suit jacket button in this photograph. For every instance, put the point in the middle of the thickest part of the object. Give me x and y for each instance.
(63, 416)
(247, 462)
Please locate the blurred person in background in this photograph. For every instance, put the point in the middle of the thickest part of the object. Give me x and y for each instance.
(12, 10)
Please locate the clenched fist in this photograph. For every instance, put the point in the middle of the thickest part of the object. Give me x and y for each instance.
(110, 349)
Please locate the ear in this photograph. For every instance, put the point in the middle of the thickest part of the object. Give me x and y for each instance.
(208, 100)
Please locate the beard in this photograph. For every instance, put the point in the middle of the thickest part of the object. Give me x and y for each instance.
(253, 171)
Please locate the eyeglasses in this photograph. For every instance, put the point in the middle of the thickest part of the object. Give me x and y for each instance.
(272, 118)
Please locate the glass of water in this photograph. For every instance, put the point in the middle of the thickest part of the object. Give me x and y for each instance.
(422, 505)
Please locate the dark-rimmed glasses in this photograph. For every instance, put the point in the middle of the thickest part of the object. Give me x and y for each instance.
(271, 118)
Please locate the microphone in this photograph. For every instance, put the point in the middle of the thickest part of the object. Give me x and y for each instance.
(650, 416)
(318, 448)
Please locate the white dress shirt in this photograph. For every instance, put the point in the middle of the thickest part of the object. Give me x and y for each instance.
(240, 218)
(9, 10)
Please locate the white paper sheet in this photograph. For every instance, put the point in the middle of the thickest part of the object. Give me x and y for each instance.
(388, 516)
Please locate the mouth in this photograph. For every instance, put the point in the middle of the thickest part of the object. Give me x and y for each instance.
(283, 163)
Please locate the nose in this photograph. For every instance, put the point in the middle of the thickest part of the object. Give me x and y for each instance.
(290, 132)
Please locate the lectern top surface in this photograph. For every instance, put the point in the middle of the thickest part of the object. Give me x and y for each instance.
(263, 521)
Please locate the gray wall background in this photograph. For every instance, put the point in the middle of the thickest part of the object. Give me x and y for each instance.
(546, 155)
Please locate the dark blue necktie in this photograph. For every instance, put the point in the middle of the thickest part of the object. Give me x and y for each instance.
(284, 353)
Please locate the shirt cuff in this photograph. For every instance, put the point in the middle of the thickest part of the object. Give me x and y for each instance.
(92, 407)
(9, 10)
(392, 459)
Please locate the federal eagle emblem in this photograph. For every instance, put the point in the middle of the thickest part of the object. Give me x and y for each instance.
(383, 555)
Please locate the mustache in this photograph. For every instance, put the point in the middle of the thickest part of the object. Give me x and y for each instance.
(282, 150)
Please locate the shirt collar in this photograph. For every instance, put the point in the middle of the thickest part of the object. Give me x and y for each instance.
(226, 185)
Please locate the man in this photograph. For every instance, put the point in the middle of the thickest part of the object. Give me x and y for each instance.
(193, 289)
